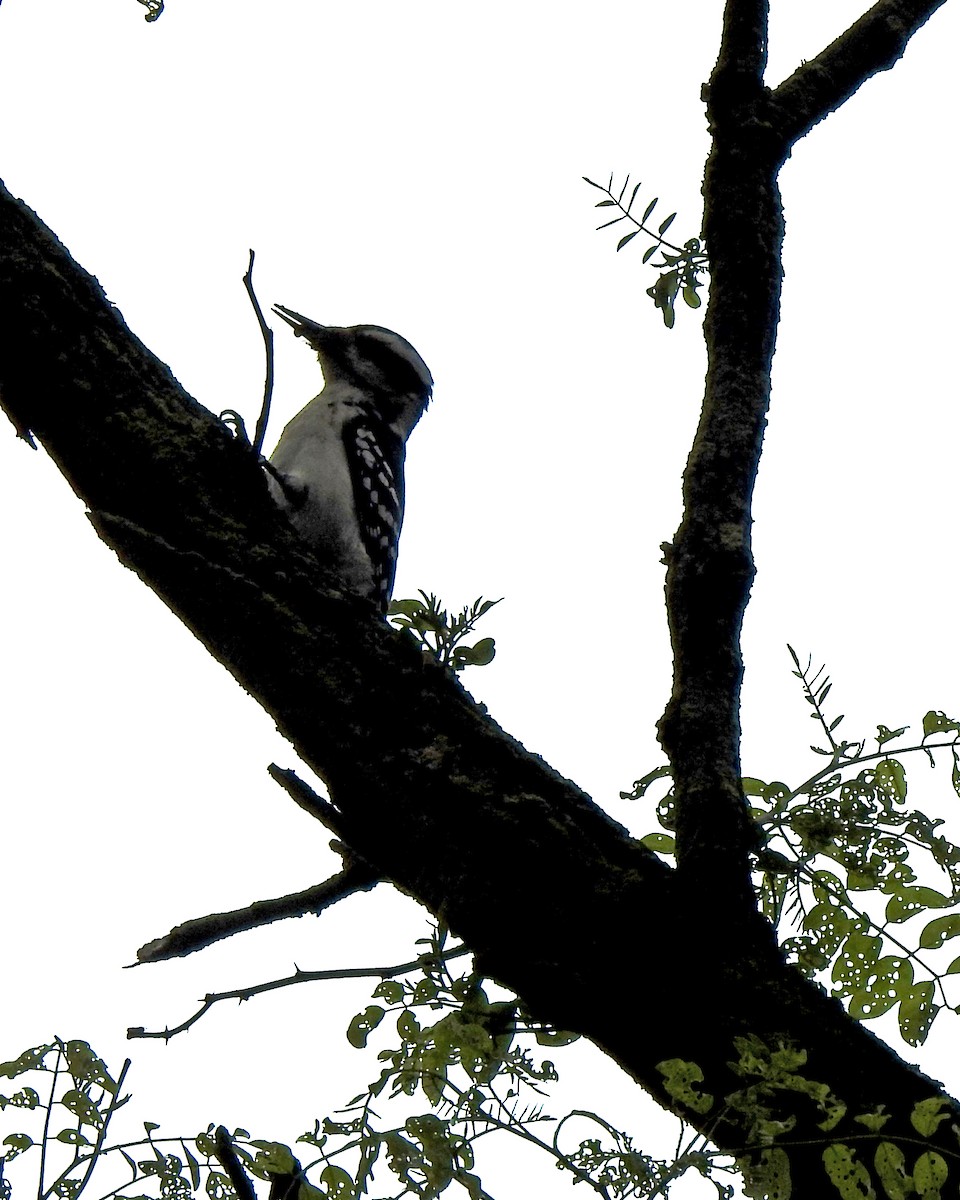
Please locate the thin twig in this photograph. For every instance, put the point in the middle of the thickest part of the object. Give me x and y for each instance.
(299, 976)
(267, 332)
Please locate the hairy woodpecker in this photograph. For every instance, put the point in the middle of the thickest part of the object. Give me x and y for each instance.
(338, 467)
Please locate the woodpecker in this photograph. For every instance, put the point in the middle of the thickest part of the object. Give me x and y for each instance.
(337, 470)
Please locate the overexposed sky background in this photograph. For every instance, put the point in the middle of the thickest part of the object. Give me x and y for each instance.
(418, 165)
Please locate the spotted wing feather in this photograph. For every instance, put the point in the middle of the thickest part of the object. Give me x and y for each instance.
(376, 456)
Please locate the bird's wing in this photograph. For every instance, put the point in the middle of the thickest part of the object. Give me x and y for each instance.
(376, 455)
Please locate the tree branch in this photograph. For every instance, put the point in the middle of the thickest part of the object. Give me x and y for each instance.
(298, 977)
(550, 893)
(874, 43)
(227, 1158)
(710, 564)
(201, 932)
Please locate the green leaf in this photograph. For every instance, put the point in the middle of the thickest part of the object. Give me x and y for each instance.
(891, 778)
(337, 1182)
(929, 1175)
(885, 735)
(691, 296)
(482, 652)
(939, 930)
(193, 1165)
(641, 785)
(649, 209)
(275, 1157)
(25, 1098)
(648, 254)
(768, 1179)
(830, 924)
(664, 293)
(627, 237)
(665, 225)
(855, 962)
(408, 1026)
(84, 1065)
(389, 990)
(407, 608)
(662, 843)
(363, 1024)
(850, 1177)
(909, 901)
(555, 1037)
(18, 1142)
(874, 1121)
(890, 1165)
(916, 1013)
(890, 981)
(928, 1114)
(218, 1186)
(938, 722)
(29, 1060)
(679, 1078)
(82, 1107)
(425, 991)
(73, 1137)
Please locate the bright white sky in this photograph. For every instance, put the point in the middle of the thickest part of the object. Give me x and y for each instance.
(418, 164)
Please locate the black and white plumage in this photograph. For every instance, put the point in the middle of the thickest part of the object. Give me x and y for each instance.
(339, 462)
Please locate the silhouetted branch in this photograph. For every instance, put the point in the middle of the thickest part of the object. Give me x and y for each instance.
(873, 43)
(204, 931)
(298, 976)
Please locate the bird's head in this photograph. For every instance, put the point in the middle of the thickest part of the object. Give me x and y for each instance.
(373, 359)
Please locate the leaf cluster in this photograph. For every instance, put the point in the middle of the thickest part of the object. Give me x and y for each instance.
(773, 1081)
(681, 267)
(455, 1048)
(441, 634)
(845, 865)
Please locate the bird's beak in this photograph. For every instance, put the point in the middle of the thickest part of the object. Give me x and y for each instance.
(301, 326)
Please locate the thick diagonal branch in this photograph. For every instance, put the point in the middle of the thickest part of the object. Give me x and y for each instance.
(556, 901)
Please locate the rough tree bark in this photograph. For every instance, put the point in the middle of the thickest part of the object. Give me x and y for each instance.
(426, 789)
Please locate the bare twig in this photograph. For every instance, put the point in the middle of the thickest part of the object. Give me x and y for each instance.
(302, 794)
(298, 976)
(267, 332)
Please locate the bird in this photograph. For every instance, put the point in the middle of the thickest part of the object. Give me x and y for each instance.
(337, 470)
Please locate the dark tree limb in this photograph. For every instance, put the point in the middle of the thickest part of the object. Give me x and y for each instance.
(710, 564)
(307, 799)
(201, 932)
(550, 893)
(227, 1158)
(874, 43)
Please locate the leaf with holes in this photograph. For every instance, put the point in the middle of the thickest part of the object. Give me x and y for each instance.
(939, 930)
(890, 1165)
(855, 963)
(890, 981)
(909, 901)
(916, 1013)
(679, 1078)
(938, 722)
